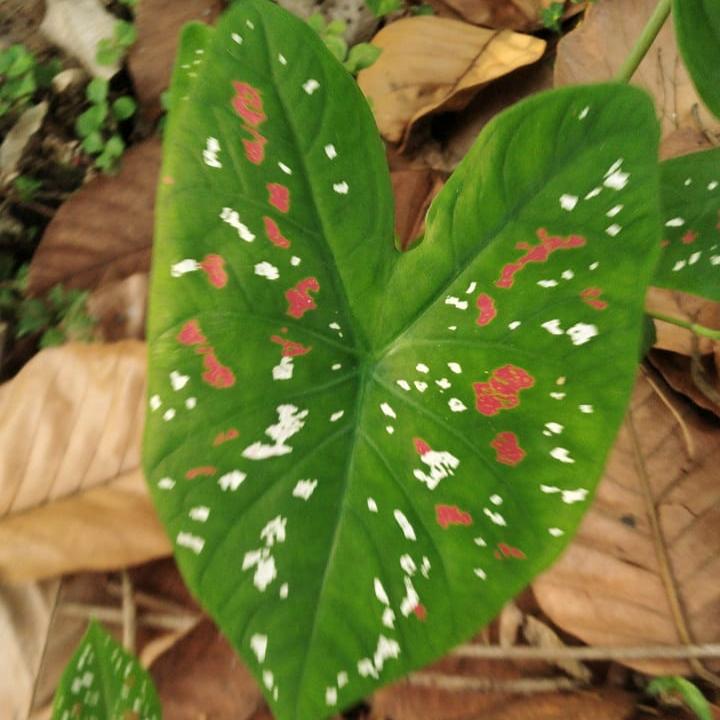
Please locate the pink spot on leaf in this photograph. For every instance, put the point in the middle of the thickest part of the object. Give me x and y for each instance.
(507, 449)
(202, 471)
(214, 267)
(510, 551)
(248, 103)
(447, 515)
(274, 234)
(290, 348)
(420, 612)
(298, 297)
(421, 447)
(217, 374)
(190, 334)
(539, 253)
(279, 196)
(590, 296)
(226, 436)
(501, 391)
(486, 305)
(689, 237)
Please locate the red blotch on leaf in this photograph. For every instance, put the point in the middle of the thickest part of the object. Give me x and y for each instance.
(420, 612)
(689, 237)
(203, 470)
(226, 436)
(486, 305)
(255, 149)
(590, 296)
(274, 234)
(510, 551)
(191, 334)
(298, 298)
(214, 268)
(421, 447)
(279, 196)
(447, 515)
(217, 374)
(290, 348)
(501, 391)
(507, 449)
(248, 103)
(539, 253)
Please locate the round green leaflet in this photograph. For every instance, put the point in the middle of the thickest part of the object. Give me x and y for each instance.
(361, 455)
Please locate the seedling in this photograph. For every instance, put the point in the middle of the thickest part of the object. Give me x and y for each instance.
(359, 57)
(112, 50)
(20, 76)
(98, 125)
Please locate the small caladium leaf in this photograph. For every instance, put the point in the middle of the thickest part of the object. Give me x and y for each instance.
(690, 199)
(697, 25)
(361, 455)
(104, 682)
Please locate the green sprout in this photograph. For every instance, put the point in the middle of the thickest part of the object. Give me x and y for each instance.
(21, 75)
(354, 59)
(112, 50)
(98, 125)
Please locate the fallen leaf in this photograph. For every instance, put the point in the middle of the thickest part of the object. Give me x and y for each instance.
(25, 615)
(596, 50)
(541, 635)
(677, 371)
(77, 26)
(607, 588)
(683, 141)
(688, 308)
(414, 190)
(120, 307)
(104, 231)
(151, 58)
(202, 677)
(72, 495)
(17, 139)
(430, 64)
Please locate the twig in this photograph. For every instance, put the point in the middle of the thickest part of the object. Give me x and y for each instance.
(697, 374)
(460, 683)
(129, 613)
(114, 616)
(663, 558)
(641, 652)
(143, 599)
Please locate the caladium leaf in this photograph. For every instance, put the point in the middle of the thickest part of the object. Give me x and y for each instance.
(690, 199)
(361, 455)
(104, 682)
(697, 26)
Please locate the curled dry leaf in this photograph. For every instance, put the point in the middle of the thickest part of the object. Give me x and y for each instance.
(414, 190)
(72, 495)
(25, 615)
(607, 588)
(104, 231)
(151, 58)
(77, 26)
(15, 142)
(430, 64)
(596, 50)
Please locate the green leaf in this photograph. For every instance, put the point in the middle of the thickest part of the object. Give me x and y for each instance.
(384, 7)
(22, 63)
(690, 192)
(93, 143)
(97, 91)
(52, 338)
(361, 56)
(697, 25)
(317, 22)
(336, 27)
(552, 15)
(125, 34)
(27, 187)
(91, 120)
(361, 455)
(111, 153)
(124, 107)
(108, 53)
(21, 87)
(33, 315)
(690, 694)
(337, 46)
(45, 73)
(102, 680)
(422, 9)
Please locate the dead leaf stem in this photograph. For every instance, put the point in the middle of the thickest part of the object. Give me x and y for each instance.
(663, 557)
(129, 612)
(523, 686)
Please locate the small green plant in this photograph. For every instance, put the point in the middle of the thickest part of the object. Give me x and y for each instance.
(98, 125)
(678, 687)
(354, 59)
(552, 15)
(112, 50)
(58, 317)
(384, 7)
(20, 76)
(27, 187)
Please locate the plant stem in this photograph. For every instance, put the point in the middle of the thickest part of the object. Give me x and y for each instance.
(691, 326)
(655, 23)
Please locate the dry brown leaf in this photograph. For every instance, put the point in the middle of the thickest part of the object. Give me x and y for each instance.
(677, 371)
(72, 495)
(596, 50)
(104, 231)
(203, 677)
(689, 308)
(541, 635)
(151, 58)
(25, 615)
(430, 64)
(606, 589)
(414, 190)
(120, 308)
